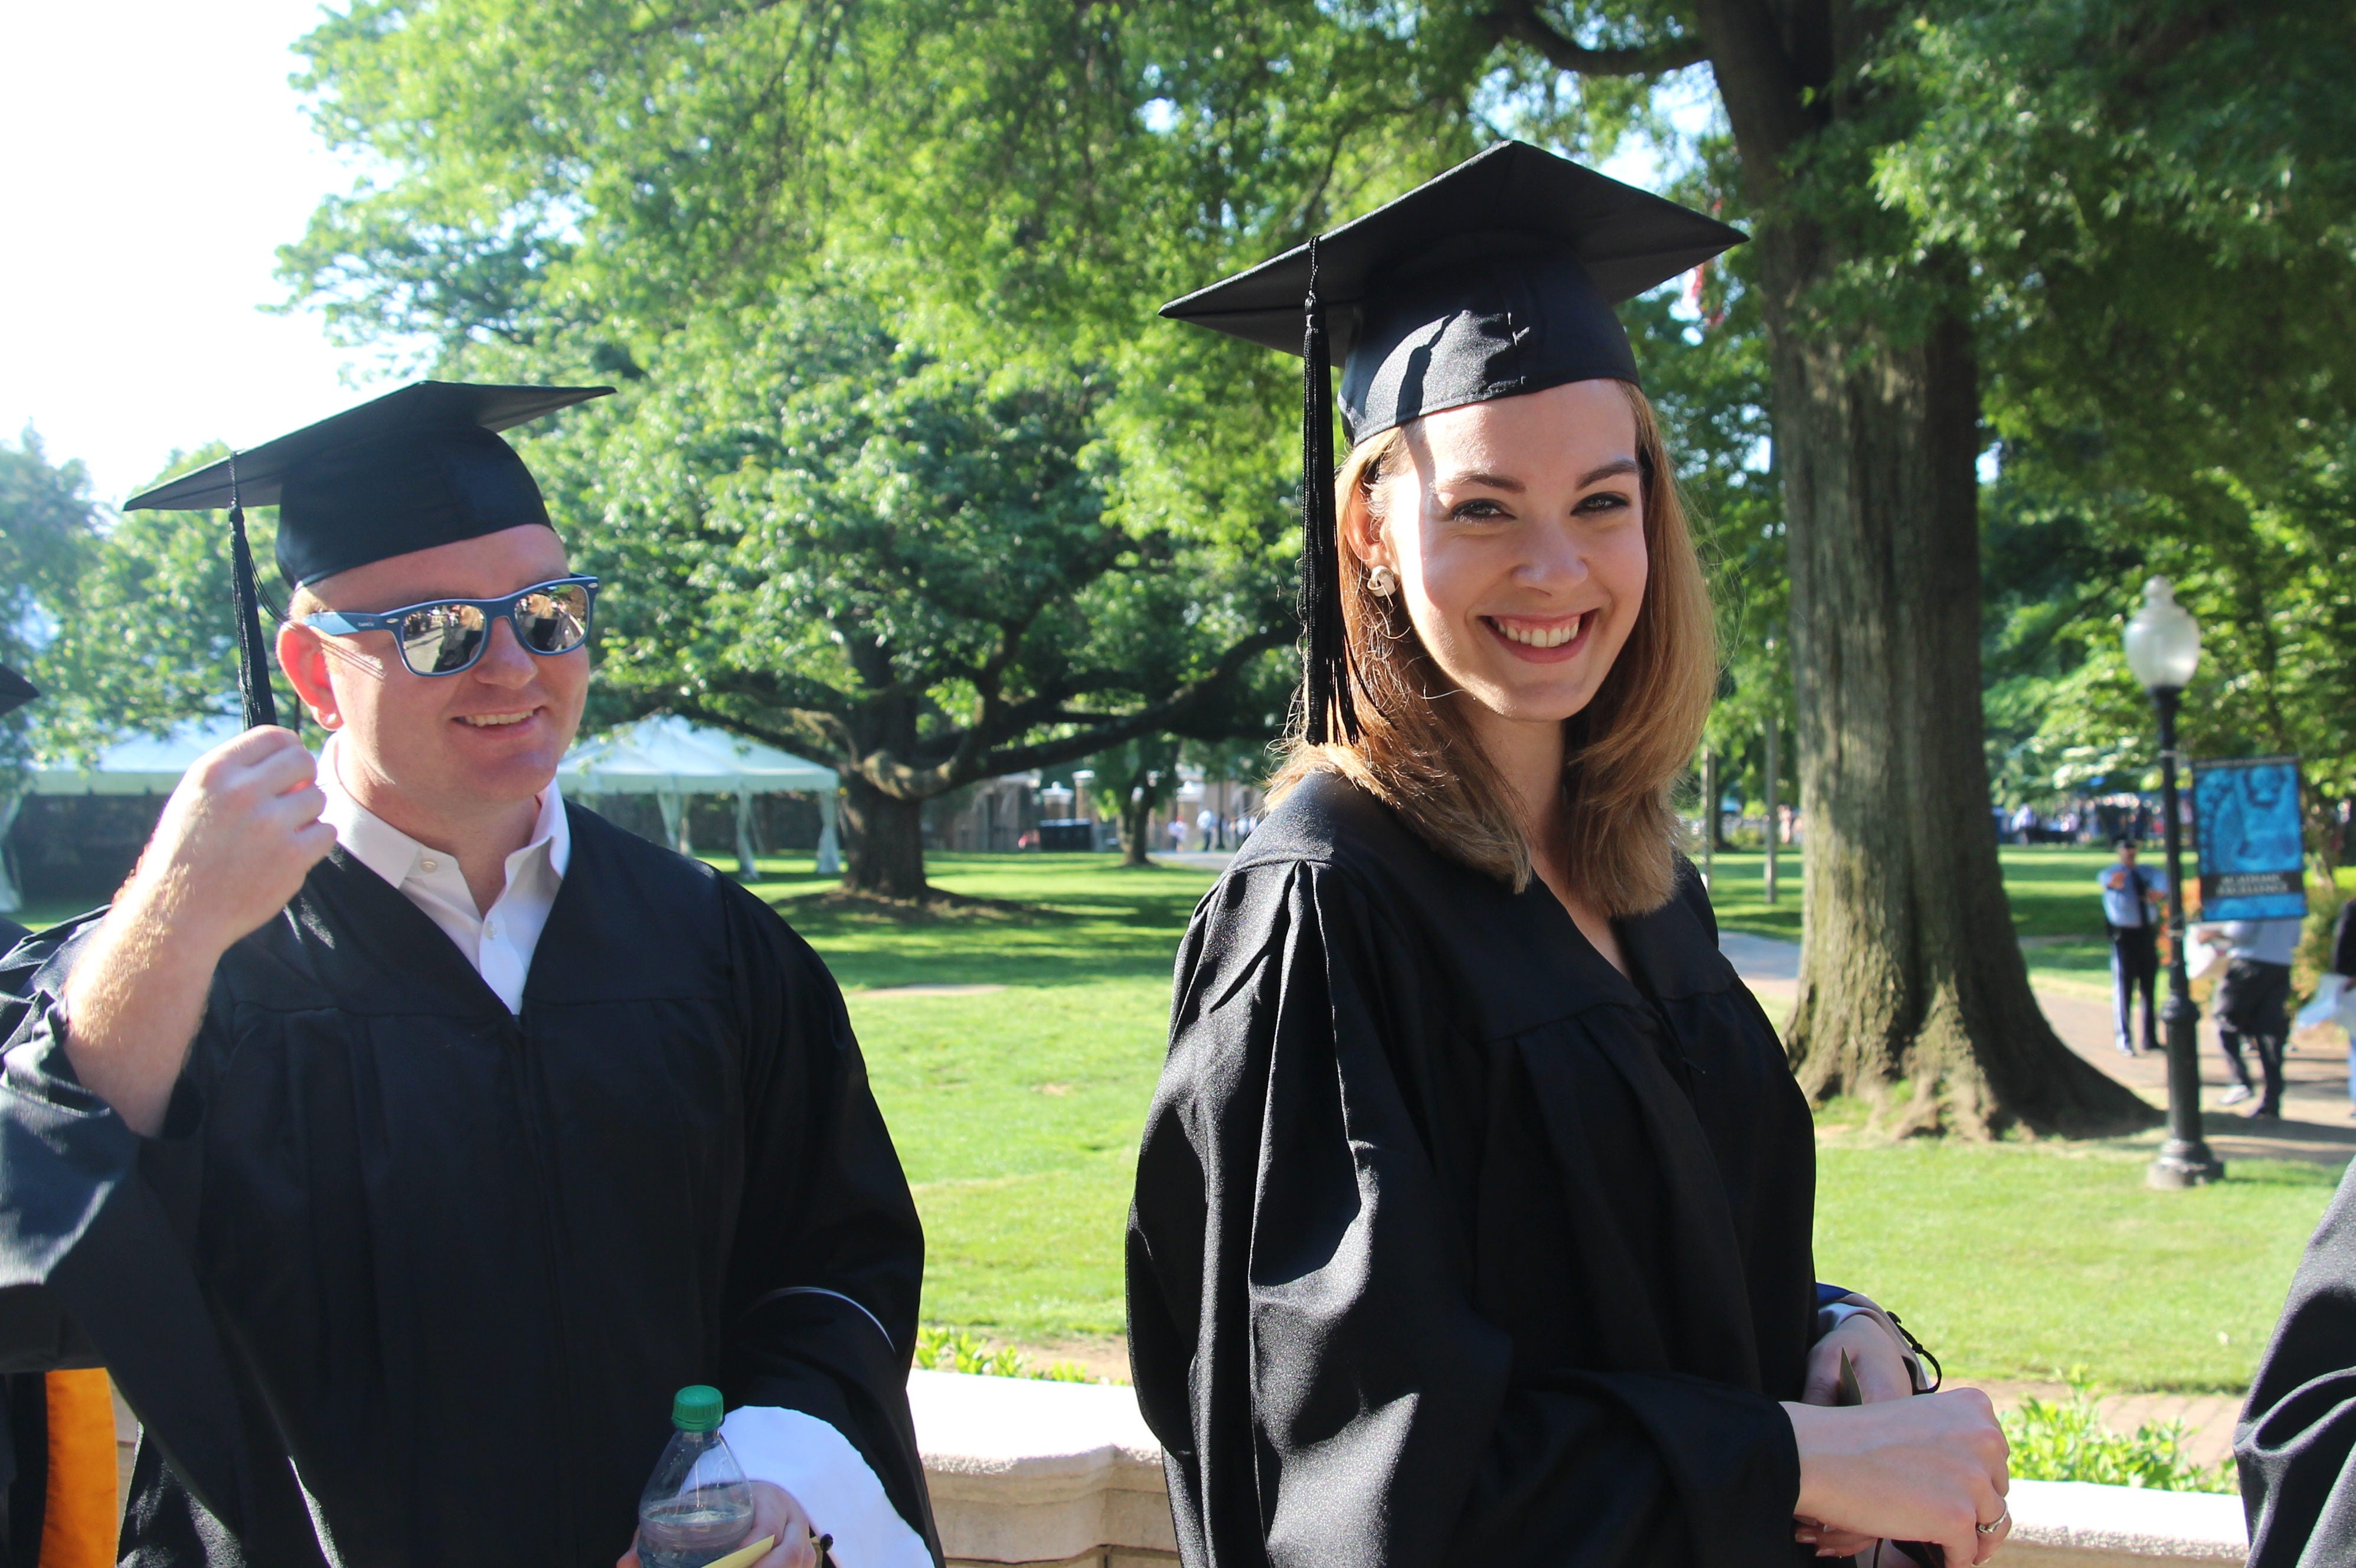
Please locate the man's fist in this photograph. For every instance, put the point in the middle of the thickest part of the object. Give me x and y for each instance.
(236, 839)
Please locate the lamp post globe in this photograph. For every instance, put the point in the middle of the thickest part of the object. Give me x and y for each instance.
(2163, 648)
(2163, 640)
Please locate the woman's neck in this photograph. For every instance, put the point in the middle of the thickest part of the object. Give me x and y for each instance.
(1529, 758)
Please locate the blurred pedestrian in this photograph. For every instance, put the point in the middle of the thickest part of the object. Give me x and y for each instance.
(2335, 992)
(2254, 1006)
(1206, 822)
(2131, 904)
(2343, 970)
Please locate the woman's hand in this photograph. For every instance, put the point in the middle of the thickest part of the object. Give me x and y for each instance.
(1881, 1367)
(776, 1514)
(1929, 1468)
(1880, 1375)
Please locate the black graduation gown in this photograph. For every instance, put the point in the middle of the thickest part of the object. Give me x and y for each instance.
(23, 1418)
(1450, 1244)
(2294, 1444)
(447, 1265)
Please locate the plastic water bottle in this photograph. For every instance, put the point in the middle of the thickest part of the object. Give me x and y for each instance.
(698, 1506)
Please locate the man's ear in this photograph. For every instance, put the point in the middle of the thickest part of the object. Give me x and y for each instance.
(303, 654)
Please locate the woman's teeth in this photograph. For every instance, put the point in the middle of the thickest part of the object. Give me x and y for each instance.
(492, 721)
(1542, 636)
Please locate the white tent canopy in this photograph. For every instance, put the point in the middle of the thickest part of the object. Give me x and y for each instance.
(666, 757)
(138, 764)
(669, 759)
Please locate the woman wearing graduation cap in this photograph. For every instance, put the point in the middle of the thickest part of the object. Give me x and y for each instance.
(1473, 1210)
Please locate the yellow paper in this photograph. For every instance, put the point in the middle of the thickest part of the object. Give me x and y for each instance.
(746, 1556)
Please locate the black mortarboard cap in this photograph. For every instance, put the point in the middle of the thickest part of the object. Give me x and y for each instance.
(1497, 278)
(15, 690)
(409, 470)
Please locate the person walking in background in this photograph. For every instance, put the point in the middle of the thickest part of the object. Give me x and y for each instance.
(1206, 822)
(2343, 969)
(2254, 1003)
(2131, 899)
(2335, 991)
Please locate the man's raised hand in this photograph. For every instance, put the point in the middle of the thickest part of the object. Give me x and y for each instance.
(236, 840)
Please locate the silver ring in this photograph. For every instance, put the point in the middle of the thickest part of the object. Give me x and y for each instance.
(1996, 1523)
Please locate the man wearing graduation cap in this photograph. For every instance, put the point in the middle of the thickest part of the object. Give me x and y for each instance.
(402, 1138)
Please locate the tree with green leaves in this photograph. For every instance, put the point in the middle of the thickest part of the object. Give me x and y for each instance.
(2157, 201)
(831, 540)
(49, 531)
(1025, 182)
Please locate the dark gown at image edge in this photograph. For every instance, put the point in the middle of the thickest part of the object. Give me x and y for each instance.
(2297, 1437)
(452, 1262)
(1451, 1244)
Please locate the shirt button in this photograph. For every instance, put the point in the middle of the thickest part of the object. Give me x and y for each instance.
(491, 927)
(430, 864)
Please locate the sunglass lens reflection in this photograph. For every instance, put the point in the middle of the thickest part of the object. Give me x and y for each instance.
(441, 639)
(554, 622)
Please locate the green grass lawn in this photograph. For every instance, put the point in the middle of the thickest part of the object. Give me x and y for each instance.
(1016, 1113)
(2018, 1262)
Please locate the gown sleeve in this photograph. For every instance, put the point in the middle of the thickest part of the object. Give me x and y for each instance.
(2294, 1440)
(829, 1255)
(1300, 1326)
(93, 1271)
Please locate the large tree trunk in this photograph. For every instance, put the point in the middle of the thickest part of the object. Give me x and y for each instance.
(1910, 970)
(1909, 967)
(886, 855)
(1136, 819)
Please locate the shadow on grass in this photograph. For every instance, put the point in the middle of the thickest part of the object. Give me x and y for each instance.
(1007, 920)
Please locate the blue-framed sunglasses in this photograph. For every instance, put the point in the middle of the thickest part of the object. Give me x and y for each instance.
(446, 636)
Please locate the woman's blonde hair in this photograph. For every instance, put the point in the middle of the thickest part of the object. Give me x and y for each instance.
(1626, 748)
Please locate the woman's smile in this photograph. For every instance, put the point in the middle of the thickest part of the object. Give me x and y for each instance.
(1542, 640)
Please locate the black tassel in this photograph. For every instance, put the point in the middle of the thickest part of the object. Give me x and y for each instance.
(1330, 712)
(253, 649)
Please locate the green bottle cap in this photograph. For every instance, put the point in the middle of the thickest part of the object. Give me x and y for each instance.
(697, 1408)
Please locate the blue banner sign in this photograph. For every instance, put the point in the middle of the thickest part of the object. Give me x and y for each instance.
(2253, 850)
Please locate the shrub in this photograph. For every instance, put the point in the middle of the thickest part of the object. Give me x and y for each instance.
(956, 1350)
(2066, 1441)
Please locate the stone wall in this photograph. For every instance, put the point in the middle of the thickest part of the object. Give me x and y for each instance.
(1067, 1476)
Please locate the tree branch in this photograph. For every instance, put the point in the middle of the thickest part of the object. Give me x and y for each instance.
(1520, 20)
(1765, 99)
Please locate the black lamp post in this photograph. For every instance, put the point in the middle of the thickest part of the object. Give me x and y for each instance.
(2163, 646)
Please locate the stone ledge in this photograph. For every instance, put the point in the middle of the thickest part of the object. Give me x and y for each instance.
(2079, 1524)
(1067, 1476)
(1022, 1470)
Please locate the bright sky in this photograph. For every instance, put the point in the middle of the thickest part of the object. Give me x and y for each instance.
(158, 159)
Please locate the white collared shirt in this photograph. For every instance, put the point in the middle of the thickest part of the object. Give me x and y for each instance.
(805, 1455)
(498, 942)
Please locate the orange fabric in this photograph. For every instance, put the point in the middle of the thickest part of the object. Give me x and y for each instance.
(77, 1526)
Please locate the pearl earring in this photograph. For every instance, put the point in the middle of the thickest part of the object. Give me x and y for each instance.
(1382, 581)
